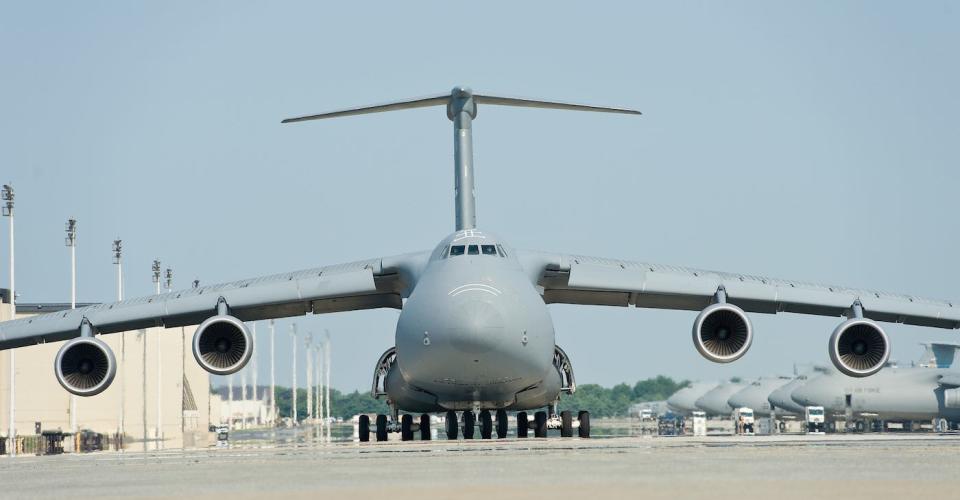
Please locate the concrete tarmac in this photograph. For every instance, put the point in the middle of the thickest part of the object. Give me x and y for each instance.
(781, 467)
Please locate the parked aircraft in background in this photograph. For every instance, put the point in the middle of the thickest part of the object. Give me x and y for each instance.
(684, 401)
(921, 393)
(714, 401)
(756, 395)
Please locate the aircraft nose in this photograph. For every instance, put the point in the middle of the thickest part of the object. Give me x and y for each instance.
(477, 327)
(807, 395)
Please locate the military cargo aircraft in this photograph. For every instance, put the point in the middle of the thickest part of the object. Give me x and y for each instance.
(929, 392)
(474, 333)
(684, 401)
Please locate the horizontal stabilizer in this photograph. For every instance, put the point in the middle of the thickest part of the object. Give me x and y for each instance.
(462, 94)
(419, 102)
(534, 103)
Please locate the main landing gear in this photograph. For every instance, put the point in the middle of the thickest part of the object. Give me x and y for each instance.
(383, 427)
(489, 423)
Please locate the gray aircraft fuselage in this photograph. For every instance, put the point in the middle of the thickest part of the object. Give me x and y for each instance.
(892, 394)
(756, 396)
(474, 332)
(781, 401)
(714, 402)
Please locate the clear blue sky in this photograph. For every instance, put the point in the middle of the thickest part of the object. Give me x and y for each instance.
(815, 142)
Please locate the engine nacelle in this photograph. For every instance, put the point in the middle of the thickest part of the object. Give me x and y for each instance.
(722, 333)
(222, 345)
(859, 347)
(85, 366)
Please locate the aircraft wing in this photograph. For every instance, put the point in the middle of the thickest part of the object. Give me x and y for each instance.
(577, 279)
(366, 284)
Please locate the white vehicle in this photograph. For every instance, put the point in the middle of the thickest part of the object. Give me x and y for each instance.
(743, 419)
(699, 423)
(813, 416)
(646, 415)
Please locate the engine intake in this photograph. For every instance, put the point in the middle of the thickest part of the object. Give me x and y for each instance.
(85, 366)
(722, 333)
(859, 347)
(222, 345)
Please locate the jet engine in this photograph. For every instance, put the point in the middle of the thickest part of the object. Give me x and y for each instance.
(222, 344)
(859, 347)
(85, 366)
(722, 332)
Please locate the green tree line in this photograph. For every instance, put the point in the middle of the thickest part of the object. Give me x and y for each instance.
(598, 400)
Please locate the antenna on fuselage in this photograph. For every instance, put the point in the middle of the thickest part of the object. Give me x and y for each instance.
(461, 105)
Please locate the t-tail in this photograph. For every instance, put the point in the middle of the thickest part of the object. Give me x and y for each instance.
(461, 105)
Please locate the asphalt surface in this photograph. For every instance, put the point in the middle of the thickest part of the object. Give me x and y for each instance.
(808, 467)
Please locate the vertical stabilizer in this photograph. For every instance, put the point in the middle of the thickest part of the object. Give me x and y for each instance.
(461, 105)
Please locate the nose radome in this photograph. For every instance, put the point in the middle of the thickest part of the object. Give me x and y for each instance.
(804, 396)
(478, 326)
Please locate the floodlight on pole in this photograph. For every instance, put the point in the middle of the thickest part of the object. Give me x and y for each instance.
(326, 384)
(293, 393)
(309, 370)
(253, 362)
(71, 242)
(118, 261)
(156, 274)
(8, 197)
(273, 377)
(318, 385)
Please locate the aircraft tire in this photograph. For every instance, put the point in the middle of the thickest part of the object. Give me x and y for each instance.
(468, 420)
(782, 426)
(424, 427)
(364, 430)
(584, 418)
(381, 427)
(452, 425)
(523, 427)
(566, 424)
(540, 424)
(406, 427)
(486, 424)
(502, 424)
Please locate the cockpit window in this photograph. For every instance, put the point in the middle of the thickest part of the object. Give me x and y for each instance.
(488, 249)
(456, 250)
(473, 250)
(502, 252)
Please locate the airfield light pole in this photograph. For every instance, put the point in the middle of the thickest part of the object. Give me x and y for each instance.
(243, 398)
(8, 212)
(118, 261)
(318, 385)
(168, 284)
(230, 401)
(253, 368)
(326, 385)
(71, 242)
(273, 378)
(156, 281)
(307, 348)
(293, 393)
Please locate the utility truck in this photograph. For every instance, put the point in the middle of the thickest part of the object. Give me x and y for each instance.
(743, 420)
(813, 418)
